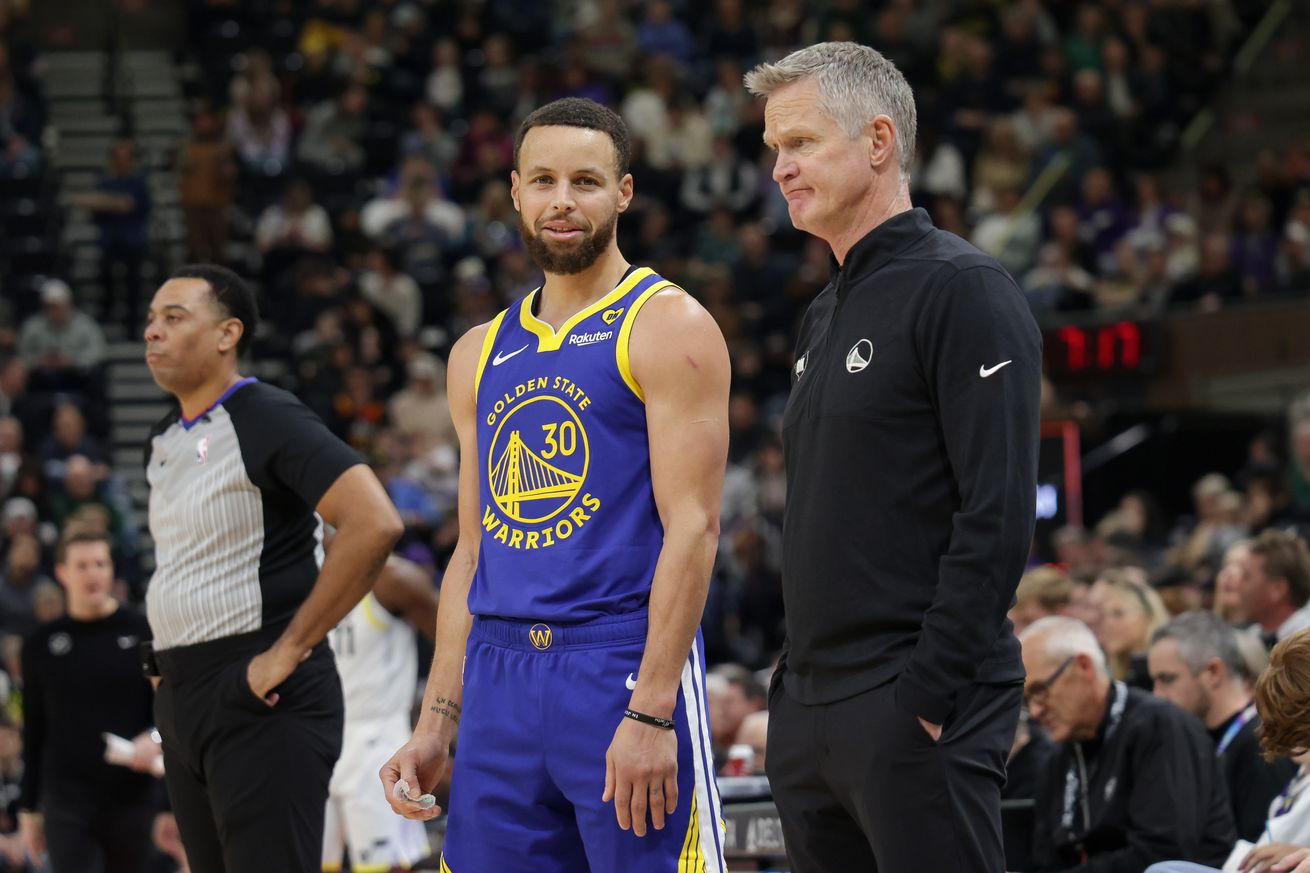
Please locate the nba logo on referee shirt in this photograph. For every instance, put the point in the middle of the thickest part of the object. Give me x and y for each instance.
(540, 636)
(202, 450)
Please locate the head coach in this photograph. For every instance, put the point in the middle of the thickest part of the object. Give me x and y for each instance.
(911, 441)
(242, 478)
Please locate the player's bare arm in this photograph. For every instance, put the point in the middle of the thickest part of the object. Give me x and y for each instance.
(421, 762)
(680, 361)
(367, 526)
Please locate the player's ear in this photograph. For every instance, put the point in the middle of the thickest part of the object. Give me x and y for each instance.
(514, 180)
(625, 192)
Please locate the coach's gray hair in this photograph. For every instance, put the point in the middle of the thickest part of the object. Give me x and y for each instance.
(1201, 637)
(1063, 637)
(856, 84)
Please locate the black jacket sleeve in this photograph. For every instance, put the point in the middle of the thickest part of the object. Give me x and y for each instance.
(981, 352)
(34, 721)
(1254, 783)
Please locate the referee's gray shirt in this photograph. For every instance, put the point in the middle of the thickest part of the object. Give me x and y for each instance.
(238, 545)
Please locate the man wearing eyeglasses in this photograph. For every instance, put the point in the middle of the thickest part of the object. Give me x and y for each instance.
(1134, 780)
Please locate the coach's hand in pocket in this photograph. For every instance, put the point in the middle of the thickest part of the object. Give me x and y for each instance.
(641, 774)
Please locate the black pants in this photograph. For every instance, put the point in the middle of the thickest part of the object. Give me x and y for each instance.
(248, 783)
(861, 786)
(100, 838)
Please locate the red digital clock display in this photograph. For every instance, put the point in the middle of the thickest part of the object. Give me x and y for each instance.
(1120, 347)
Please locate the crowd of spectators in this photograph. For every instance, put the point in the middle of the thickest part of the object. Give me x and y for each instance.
(354, 159)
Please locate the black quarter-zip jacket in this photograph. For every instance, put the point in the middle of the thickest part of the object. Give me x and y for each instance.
(911, 442)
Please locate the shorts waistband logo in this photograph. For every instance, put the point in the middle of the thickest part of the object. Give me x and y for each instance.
(540, 636)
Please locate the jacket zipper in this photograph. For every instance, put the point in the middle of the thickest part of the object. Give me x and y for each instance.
(820, 352)
(1083, 798)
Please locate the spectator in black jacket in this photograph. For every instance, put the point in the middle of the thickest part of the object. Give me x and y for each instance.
(1134, 779)
(1196, 663)
(82, 678)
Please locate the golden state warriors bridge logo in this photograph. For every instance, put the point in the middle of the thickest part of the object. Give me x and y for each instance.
(537, 465)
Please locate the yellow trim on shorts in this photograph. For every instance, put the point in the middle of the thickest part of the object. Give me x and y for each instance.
(625, 332)
(445, 868)
(549, 339)
(691, 859)
(370, 868)
(487, 342)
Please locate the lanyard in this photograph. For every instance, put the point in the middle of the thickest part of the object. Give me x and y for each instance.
(1234, 729)
(1076, 779)
(1283, 802)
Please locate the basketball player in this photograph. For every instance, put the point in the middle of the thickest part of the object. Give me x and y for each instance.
(592, 417)
(376, 640)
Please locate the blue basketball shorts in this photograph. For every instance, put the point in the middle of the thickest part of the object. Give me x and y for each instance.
(541, 704)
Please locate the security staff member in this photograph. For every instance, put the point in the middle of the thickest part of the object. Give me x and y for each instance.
(911, 448)
(242, 477)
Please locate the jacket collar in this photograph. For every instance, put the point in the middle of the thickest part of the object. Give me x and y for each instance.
(881, 244)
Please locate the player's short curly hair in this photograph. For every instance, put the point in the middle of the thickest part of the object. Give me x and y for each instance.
(584, 113)
(1282, 695)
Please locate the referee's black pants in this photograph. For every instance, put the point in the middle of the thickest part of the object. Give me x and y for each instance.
(861, 786)
(248, 782)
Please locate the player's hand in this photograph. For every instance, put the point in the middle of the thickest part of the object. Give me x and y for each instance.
(1261, 856)
(414, 771)
(1297, 862)
(641, 774)
(270, 668)
(31, 827)
(934, 730)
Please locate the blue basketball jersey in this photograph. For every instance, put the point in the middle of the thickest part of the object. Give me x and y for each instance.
(570, 530)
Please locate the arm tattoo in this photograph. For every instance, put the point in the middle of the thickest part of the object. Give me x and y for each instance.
(447, 707)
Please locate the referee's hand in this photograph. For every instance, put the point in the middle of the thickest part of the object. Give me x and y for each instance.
(270, 668)
(418, 766)
(641, 775)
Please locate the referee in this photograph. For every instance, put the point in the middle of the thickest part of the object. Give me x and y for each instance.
(911, 449)
(242, 477)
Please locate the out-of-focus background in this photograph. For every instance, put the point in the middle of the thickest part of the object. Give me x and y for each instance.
(1141, 168)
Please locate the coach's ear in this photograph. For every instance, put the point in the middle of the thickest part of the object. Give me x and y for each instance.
(882, 140)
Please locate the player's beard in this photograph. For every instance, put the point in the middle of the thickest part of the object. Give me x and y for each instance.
(575, 259)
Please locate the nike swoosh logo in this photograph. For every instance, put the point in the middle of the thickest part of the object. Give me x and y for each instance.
(987, 371)
(502, 358)
(631, 682)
